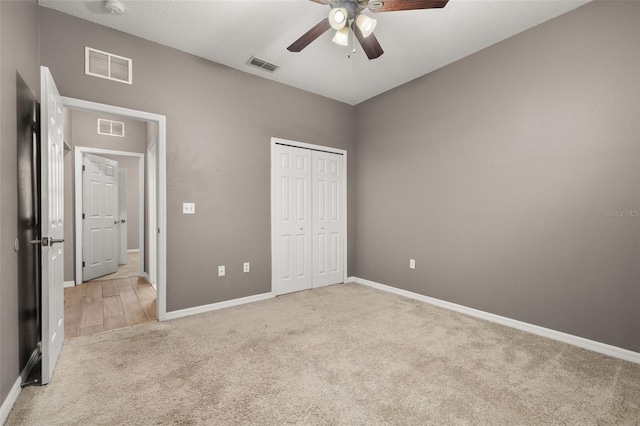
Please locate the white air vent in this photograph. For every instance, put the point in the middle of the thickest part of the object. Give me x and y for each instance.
(110, 128)
(261, 63)
(107, 65)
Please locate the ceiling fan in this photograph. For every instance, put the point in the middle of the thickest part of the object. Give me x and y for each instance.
(348, 13)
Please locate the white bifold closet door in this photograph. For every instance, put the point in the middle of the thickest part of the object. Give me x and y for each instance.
(328, 182)
(292, 244)
(308, 226)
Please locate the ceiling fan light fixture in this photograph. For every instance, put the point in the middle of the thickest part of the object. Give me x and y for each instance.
(366, 24)
(338, 18)
(342, 37)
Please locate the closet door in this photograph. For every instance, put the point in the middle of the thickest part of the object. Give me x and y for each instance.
(328, 222)
(292, 230)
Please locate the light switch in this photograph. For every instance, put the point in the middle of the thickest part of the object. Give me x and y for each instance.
(221, 271)
(188, 208)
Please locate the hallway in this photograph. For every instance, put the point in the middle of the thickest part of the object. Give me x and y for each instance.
(99, 306)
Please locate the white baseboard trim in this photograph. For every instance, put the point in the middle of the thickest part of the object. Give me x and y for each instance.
(581, 342)
(220, 305)
(69, 284)
(11, 399)
(133, 250)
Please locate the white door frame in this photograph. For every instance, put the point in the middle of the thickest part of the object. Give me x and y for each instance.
(274, 187)
(152, 227)
(79, 152)
(161, 180)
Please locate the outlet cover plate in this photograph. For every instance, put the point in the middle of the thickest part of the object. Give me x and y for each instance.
(221, 271)
(188, 208)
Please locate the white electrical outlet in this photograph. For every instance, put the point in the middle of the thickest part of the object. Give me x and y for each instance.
(412, 264)
(246, 267)
(188, 208)
(221, 271)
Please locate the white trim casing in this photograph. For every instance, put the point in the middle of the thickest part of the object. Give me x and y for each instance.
(134, 251)
(220, 305)
(161, 177)
(68, 284)
(344, 198)
(10, 400)
(151, 225)
(79, 151)
(580, 342)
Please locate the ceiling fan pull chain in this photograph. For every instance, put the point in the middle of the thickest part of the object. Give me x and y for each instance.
(350, 45)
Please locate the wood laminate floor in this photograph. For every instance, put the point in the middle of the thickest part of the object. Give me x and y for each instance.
(99, 306)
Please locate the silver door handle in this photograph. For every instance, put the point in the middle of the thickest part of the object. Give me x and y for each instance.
(115, 222)
(46, 241)
(123, 220)
(52, 241)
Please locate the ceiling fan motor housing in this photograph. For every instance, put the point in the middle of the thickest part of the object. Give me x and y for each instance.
(354, 7)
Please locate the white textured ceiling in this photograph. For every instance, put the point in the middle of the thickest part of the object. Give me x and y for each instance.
(230, 31)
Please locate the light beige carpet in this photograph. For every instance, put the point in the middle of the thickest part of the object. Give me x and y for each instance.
(342, 355)
(131, 269)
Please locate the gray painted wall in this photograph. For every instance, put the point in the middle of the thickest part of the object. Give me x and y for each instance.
(219, 125)
(496, 174)
(19, 53)
(81, 130)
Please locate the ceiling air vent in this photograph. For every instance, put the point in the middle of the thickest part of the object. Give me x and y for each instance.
(110, 128)
(262, 64)
(107, 65)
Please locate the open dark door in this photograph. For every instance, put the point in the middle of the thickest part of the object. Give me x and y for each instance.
(28, 230)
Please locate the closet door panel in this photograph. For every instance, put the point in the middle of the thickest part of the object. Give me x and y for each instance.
(328, 222)
(293, 223)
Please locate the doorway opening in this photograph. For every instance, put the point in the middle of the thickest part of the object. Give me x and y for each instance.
(138, 294)
(127, 221)
(111, 288)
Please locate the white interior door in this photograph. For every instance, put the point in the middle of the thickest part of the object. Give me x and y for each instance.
(291, 241)
(123, 257)
(328, 222)
(52, 225)
(100, 231)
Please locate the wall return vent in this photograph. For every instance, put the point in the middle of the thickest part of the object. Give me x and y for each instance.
(110, 128)
(262, 64)
(107, 65)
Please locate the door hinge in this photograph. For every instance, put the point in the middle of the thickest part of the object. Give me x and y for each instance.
(83, 215)
(83, 263)
(83, 167)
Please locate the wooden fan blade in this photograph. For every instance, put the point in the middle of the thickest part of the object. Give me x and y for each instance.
(370, 44)
(310, 36)
(393, 5)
